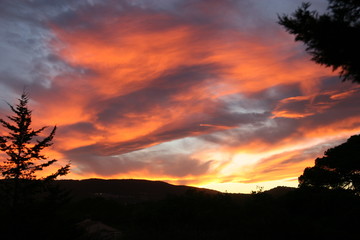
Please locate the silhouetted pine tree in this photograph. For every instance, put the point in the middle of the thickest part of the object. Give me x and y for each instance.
(24, 153)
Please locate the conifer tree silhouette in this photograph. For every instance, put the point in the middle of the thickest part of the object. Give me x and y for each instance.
(24, 150)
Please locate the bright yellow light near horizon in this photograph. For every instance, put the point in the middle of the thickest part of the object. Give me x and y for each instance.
(239, 187)
(241, 161)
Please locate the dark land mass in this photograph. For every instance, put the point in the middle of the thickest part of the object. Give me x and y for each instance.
(139, 209)
(126, 190)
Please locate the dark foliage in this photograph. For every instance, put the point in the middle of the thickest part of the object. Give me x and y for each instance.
(338, 169)
(331, 38)
(40, 216)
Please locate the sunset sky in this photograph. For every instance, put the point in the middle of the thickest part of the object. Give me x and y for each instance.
(210, 93)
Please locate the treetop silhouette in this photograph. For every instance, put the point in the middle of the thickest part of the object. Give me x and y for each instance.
(23, 149)
(331, 38)
(338, 169)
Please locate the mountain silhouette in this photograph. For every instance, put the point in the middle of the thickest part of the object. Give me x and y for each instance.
(126, 190)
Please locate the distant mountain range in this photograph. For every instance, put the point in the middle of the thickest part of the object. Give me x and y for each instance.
(136, 190)
(126, 190)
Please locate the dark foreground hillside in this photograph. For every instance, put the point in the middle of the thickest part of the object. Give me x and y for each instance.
(281, 213)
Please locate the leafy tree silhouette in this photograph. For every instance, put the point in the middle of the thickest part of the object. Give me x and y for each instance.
(24, 153)
(331, 38)
(338, 169)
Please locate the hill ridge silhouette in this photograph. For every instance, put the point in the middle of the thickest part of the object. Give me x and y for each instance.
(126, 190)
